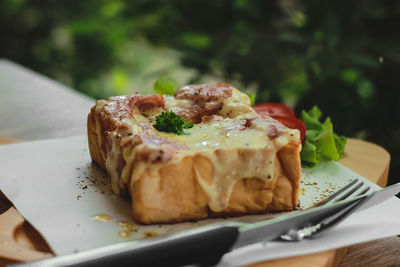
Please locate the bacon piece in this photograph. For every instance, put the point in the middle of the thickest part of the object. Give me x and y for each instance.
(145, 102)
(269, 125)
(118, 106)
(199, 110)
(153, 140)
(155, 148)
(162, 154)
(159, 149)
(207, 100)
(204, 92)
(272, 131)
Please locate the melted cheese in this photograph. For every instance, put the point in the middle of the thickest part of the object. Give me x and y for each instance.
(231, 165)
(237, 106)
(177, 104)
(112, 165)
(219, 134)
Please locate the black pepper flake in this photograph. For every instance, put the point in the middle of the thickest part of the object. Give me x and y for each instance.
(85, 187)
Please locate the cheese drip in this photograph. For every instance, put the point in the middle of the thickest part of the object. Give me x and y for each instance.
(231, 165)
(114, 156)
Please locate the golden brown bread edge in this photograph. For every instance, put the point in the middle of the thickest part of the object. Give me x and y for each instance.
(173, 194)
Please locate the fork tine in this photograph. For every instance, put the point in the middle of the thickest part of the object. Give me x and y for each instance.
(364, 191)
(337, 193)
(354, 189)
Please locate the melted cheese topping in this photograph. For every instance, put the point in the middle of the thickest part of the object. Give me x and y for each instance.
(175, 104)
(238, 106)
(225, 133)
(235, 150)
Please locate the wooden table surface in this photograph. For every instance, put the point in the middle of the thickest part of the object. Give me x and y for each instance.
(34, 107)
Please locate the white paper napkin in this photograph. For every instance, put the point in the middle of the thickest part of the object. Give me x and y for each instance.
(55, 187)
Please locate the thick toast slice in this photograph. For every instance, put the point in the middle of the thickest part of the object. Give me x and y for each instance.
(231, 162)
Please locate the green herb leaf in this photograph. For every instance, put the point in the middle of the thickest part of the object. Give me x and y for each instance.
(165, 86)
(171, 123)
(321, 142)
(252, 97)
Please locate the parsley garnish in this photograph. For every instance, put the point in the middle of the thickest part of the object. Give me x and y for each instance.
(171, 123)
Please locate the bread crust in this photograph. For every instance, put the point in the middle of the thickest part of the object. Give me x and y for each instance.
(171, 192)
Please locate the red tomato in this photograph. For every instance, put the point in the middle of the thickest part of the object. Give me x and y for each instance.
(274, 109)
(293, 123)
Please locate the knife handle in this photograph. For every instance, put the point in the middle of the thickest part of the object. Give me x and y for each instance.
(204, 248)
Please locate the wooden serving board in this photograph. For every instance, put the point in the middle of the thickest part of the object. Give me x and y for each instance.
(19, 241)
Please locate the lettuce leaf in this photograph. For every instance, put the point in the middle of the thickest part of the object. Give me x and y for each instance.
(309, 155)
(321, 142)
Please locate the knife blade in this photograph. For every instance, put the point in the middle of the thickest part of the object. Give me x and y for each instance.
(206, 245)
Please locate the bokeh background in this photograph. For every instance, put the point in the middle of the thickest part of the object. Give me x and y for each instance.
(343, 56)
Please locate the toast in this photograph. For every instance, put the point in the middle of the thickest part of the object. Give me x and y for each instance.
(231, 162)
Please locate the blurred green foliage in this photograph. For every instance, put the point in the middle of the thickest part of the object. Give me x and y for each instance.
(341, 55)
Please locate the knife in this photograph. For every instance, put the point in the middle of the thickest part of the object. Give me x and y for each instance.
(206, 245)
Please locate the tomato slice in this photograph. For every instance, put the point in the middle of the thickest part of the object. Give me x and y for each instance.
(293, 123)
(274, 109)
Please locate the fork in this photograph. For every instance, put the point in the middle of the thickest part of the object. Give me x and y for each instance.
(352, 189)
